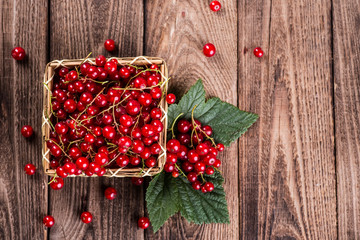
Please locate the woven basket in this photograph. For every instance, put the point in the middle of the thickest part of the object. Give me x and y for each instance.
(115, 172)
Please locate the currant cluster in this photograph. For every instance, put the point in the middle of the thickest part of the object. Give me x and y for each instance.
(104, 116)
(193, 153)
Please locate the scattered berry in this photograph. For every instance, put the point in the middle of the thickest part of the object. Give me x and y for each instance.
(48, 221)
(143, 223)
(110, 193)
(215, 6)
(209, 50)
(27, 131)
(30, 169)
(18, 53)
(258, 52)
(109, 45)
(170, 98)
(86, 217)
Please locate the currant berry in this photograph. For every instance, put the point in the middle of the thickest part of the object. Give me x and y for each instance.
(203, 189)
(63, 71)
(217, 163)
(109, 132)
(148, 130)
(193, 156)
(110, 193)
(70, 106)
(137, 181)
(126, 120)
(146, 153)
(187, 166)
(101, 172)
(170, 98)
(75, 152)
(200, 167)
(209, 159)
(192, 177)
(48, 221)
(171, 158)
(183, 126)
(57, 183)
(70, 168)
(209, 171)
(72, 75)
(184, 138)
(93, 167)
(155, 149)
(182, 153)
(135, 161)
(61, 172)
(18, 53)
(138, 146)
(27, 131)
(209, 186)
(100, 60)
(220, 147)
(150, 162)
(61, 128)
(122, 161)
(82, 163)
(145, 99)
(168, 167)
(202, 149)
(173, 146)
(175, 173)
(258, 52)
(86, 217)
(196, 185)
(124, 73)
(110, 67)
(156, 113)
(215, 6)
(101, 158)
(124, 142)
(30, 169)
(207, 129)
(209, 50)
(109, 45)
(133, 107)
(156, 93)
(143, 223)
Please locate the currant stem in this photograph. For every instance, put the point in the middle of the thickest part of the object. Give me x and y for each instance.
(173, 124)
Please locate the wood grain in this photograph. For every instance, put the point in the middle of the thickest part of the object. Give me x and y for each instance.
(77, 28)
(23, 199)
(287, 180)
(177, 31)
(346, 20)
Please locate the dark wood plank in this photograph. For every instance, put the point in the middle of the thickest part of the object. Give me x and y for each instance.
(77, 28)
(287, 181)
(23, 199)
(346, 20)
(177, 31)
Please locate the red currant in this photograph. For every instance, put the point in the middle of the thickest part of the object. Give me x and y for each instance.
(150, 162)
(196, 185)
(220, 147)
(27, 131)
(110, 193)
(138, 146)
(57, 183)
(215, 6)
(100, 60)
(168, 167)
(122, 161)
(156, 93)
(109, 45)
(86, 217)
(192, 177)
(18, 53)
(143, 223)
(209, 186)
(101, 158)
(135, 161)
(209, 50)
(82, 163)
(193, 156)
(109, 132)
(173, 146)
(183, 126)
(202, 149)
(258, 52)
(170, 98)
(137, 181)
(133, 107)
(200, 167)
(49, 221)
(30, 169)
(70, 168)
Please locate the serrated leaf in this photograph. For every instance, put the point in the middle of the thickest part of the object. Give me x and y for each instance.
(167, 195)
(201, 207)
(227, 121)
(161, 199)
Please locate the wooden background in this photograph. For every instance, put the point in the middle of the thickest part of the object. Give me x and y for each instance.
(294, 175)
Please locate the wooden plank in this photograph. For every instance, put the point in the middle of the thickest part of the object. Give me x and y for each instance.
(287, 180)
(346, 21)
(77, 28)
(177, 32)
(23, 199)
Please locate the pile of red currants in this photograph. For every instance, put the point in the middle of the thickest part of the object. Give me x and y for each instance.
(193, 152)
(105, 116)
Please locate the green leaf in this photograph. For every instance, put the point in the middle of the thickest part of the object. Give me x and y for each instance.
(167, 195)
(161, 199)
(227, 121)
(201, 207)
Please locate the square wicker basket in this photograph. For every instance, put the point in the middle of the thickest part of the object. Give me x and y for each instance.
(113, 172)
